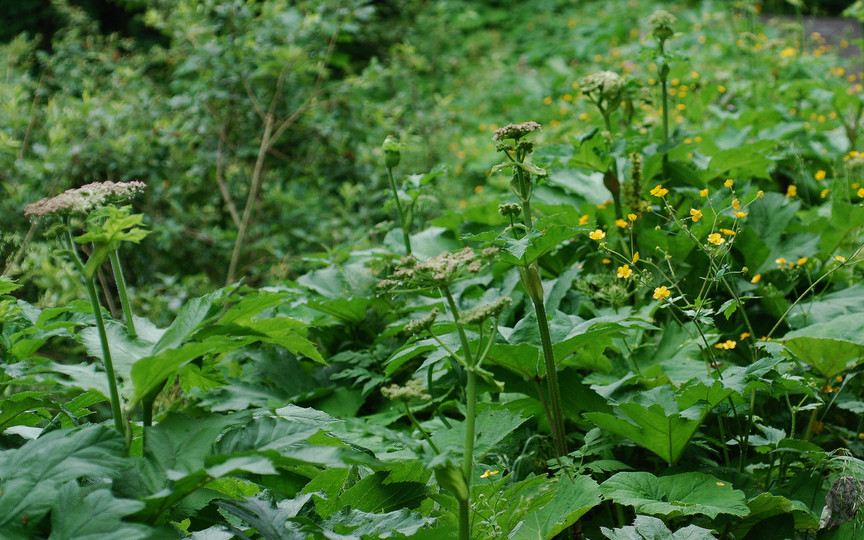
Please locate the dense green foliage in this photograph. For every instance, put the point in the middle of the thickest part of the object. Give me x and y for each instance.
(600, 281)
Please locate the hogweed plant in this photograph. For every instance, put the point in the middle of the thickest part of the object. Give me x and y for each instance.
(606, 91)
(106, 227)
(438, 275)
(511, 142)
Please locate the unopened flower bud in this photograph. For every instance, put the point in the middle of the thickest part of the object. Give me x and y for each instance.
(661, 22)
(480, 313)
(509, 209)
(392, 151)
(419, 326)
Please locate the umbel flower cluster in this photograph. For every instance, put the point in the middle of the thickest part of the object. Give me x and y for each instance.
(606, 84)
(515, 131)
(85, 198)
(413, 389)
(440, 270)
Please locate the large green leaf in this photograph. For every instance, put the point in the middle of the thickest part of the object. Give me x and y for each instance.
(269, 521)
(14, 409)
(651, 528)
(294, 519)
(84, 513)
(31, 476)
(831, 347)
(375, 493)
(571, 500)
(675, 495)
(601, 329)
(354, 524)
(766, 506)
(827, 307)
(535, 243)
(661, 421)
(183, 454)
(492, 424)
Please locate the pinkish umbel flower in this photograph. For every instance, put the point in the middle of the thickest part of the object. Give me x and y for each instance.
(440, 270)
(515, 131)
(85, 198)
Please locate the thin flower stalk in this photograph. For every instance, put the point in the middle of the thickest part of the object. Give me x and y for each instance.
(123, 294)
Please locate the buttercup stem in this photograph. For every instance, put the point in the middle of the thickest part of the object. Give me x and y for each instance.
(124, 295)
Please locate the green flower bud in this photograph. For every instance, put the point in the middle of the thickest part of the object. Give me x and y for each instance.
(509, 209)
(661, 22)
(392, 151)
(480, 313)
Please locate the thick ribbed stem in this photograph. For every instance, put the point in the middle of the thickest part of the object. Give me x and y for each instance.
(470, 417)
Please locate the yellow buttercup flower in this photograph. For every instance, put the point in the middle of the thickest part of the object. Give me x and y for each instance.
(820, 175)
(781, 261)
(635, 258)
(791, 191)
(716, 239)
(728, 344)
(760, 194)
(597, 235)
(824, 193)
(661, 292)
(861, 192)
(625, 271)
(695, 214)
(621, 223)
(756, 278)
(839, 258)
(632, 217)
(727, 232)
(488, 473)
(728, 182)
(740, 214)
(744, 335)
(802, 261)
(736, 204)
(703, 192)
(584, 220)
(659, 191)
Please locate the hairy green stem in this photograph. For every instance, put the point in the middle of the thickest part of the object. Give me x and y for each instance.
(124, 295)
(553, 388)
(116, 409)
(464, 520)
(470, 417)
(405, 226)
(533, 284)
